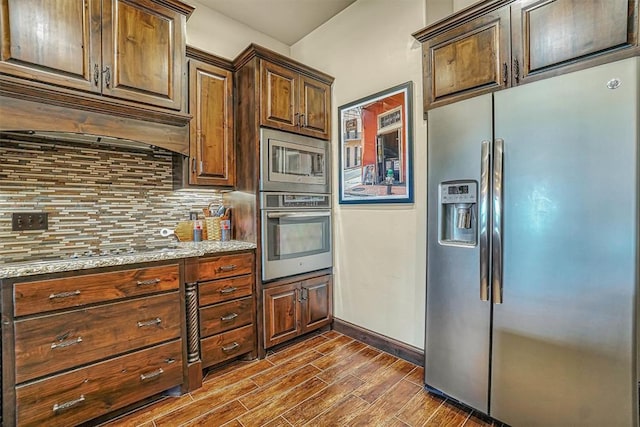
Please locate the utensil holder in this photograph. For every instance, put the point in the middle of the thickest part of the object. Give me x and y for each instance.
(212, 225)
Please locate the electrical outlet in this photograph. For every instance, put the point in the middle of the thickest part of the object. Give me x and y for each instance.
(21, 221)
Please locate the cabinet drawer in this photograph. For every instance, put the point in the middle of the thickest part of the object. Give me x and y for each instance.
(225, 266)
(225, 289)
(47, 295)
(83, 394)
(47, 344)
(227, 345)
(228, 315)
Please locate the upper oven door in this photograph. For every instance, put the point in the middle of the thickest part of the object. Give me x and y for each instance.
(293, 163)
(295, 242)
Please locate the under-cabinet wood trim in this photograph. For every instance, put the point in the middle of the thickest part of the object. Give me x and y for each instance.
(88, 102)
(389, 345)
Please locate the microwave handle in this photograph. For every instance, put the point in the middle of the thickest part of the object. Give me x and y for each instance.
(297, 215)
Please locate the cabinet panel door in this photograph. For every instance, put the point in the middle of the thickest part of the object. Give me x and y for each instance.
(211, 132)
(281, 317)
(468, 60)
(56, 42)
(549, 34)
(279, 97)
(317, 297)
(315, 107)
(143, 52)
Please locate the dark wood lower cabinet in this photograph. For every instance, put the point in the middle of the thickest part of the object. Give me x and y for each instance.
(80, 345)
(74, 397)
(295, 308)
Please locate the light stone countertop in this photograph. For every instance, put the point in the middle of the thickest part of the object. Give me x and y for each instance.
(182, 250)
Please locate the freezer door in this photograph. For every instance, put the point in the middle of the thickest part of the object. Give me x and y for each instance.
(457, 321)
(563, 338)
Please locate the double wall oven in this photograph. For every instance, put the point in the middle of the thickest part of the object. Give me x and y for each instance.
(295, 204)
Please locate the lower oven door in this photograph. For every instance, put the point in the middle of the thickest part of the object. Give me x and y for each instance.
(295, 242)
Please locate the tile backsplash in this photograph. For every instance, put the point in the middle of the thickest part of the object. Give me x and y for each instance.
(96, 197)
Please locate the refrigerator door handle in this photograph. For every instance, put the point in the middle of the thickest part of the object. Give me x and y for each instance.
(496, 233)
(485, 155)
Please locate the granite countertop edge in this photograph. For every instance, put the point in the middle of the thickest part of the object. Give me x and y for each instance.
(182, 250)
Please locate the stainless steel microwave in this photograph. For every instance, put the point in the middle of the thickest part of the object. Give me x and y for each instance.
(294, 163)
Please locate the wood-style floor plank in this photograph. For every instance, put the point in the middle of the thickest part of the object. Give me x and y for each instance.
(419, 409)
(282, 369)
(287, 382)
(218, 416)
(384, 381)
(320, 402)
(273, 408)
(387, 405)
(203, 405)
(341, 413)
(326, 380)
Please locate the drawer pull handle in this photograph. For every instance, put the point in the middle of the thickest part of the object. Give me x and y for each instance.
(228, 290)
(151, 375)
(67, 343)
(229, 267)
(229, 317)
(148, 282)
(64, 294)
(66, 405)
(230, 348)
(151, 322)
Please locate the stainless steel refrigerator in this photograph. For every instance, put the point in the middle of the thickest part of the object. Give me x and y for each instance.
(532, 270)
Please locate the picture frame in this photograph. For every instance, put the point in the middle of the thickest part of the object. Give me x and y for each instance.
(376, 147)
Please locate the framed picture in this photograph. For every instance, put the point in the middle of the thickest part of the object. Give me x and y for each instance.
(376, 148)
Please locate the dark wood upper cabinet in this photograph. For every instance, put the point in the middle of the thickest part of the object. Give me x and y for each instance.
(212, 147)
(131, 50)
(315, 107)
(143, 51)
(56, 42)
(495, 44)
(294, 102)
(552, 37)
(467, 60)
(279, 96)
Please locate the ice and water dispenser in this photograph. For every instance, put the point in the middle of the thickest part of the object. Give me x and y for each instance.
(459, 213)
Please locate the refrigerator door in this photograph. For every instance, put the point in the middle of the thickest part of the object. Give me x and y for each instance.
(458, 322)
(563, 339)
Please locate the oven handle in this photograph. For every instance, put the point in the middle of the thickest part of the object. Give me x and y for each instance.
(297, 215)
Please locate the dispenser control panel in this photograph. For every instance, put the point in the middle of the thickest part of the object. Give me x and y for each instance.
(458, 193)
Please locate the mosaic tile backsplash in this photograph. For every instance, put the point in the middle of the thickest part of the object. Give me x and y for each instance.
(96, 197)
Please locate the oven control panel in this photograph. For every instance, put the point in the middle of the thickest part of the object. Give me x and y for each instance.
(294, 200)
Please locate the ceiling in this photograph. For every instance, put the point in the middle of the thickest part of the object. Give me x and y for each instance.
(285, 20)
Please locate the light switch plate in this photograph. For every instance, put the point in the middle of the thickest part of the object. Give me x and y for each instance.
(22, 221)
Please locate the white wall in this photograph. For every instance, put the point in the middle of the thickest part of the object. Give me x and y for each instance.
(380, 250)
(215, 33)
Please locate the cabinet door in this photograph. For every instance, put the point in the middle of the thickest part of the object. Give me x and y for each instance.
(143, 52)
(317, 303)
(467, 60)
(279, 97)
(281, 317)
(56, 42)
(211, 129)
(314, 107)
(570, 34)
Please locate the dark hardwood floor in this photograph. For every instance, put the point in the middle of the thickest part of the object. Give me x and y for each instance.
(329, 379)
